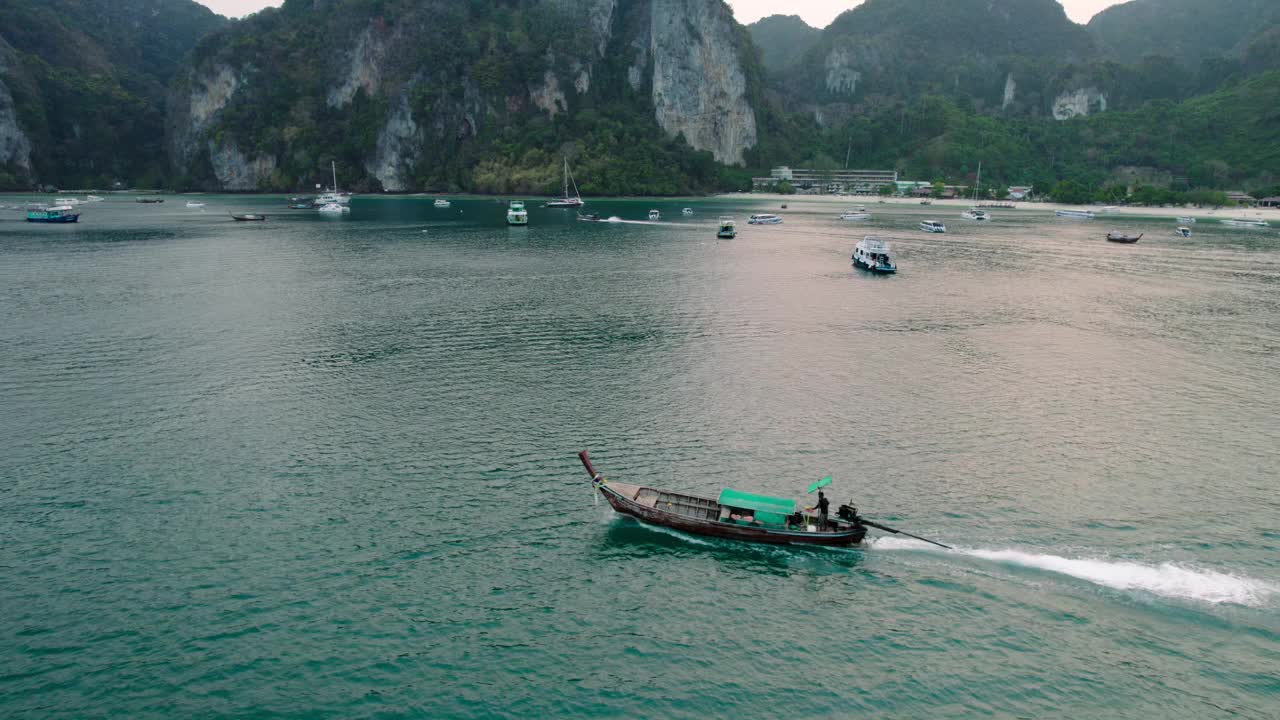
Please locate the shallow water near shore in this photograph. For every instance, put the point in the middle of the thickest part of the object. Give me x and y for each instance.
(325, 467)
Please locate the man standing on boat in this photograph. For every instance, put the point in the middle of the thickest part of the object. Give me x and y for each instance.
(823, 504)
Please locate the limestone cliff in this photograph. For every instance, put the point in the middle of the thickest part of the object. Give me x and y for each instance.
(699, 87)
(1079, 103)
(414, 93)
(15, 146)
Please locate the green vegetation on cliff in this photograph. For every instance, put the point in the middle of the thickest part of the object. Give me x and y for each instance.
(88, 80)
(489, 96)
(1228, 139)
(782, 40)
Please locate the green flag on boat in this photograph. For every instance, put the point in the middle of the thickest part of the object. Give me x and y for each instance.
(820, 484)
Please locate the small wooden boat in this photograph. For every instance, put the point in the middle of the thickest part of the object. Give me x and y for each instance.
(735, 515)
(248, 217)
(150, 201)
(1122, 238)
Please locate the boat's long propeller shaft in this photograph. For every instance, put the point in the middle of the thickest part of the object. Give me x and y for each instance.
(886, 528)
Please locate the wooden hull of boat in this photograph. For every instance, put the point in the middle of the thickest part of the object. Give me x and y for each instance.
(1123, 239)
(714, 528)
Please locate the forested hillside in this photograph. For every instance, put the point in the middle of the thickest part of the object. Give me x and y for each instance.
(82, 87)
(1228, 139)
(782, 40)
(1186, 31)
(643, 96)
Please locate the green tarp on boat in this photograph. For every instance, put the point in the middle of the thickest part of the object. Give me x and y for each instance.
(767, 508)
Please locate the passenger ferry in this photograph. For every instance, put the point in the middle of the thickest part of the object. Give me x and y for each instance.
(442, 203)
(516, 214)
(975, 214)
(871, 253)
(1078, 214)
(728, 229)
(858, 214)
(932, 226)
(764, 219)
(53, 214)
(1187, 220)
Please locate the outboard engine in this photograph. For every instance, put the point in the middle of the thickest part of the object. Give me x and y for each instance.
(847, 513)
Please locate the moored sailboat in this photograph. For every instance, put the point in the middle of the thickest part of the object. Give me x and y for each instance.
(567, 201)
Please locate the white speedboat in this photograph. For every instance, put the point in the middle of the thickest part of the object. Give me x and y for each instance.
(655, 215)
(932, 226)
(728, 228)
(1187, 220)
(194, 204)
(442, 203)
(1077, 214)
(686, 212)
(334, 208)
(1246, 223)
(1183, 232)
(93, 198)
(871, 253)
(855, 215)
(764, 219)
(516, 214)
(975, 214)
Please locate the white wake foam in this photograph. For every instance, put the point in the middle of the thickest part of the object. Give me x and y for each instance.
(1166, 579)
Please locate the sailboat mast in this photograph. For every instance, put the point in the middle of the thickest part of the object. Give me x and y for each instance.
(333, 165)
(977, 184)
(566, 177)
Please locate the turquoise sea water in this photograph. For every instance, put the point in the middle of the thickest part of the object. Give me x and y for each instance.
(325, 467)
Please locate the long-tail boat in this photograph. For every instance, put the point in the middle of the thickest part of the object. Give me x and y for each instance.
(1116, 237)
(736, 515)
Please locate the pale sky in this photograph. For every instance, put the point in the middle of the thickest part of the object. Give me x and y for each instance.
(817, 13)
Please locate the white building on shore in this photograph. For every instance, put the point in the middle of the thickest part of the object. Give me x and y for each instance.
(858, 182)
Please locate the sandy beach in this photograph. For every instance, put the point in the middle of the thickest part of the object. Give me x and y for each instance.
(1270, 214)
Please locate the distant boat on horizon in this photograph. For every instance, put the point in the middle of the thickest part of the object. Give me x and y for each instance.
(516, 214)
(566, 201)
(333, 196)
(1078, 214)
